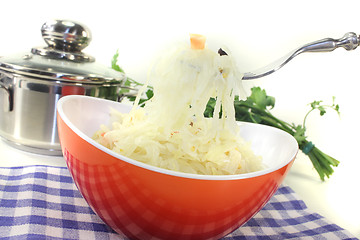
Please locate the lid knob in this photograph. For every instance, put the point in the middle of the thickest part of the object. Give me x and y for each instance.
(66, 40)
(66, 35)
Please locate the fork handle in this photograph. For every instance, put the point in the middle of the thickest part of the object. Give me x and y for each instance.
(349, 41)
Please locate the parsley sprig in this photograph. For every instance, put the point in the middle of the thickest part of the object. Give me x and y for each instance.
(256, 108)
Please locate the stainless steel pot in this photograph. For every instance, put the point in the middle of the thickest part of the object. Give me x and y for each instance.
(31, 84)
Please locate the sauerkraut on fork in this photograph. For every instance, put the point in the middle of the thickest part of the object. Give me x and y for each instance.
(170, 131)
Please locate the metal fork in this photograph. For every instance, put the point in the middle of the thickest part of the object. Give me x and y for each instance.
(349, 41)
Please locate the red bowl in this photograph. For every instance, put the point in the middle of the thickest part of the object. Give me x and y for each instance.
(146, 202)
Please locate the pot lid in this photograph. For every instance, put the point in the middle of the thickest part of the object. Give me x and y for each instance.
(63, 58)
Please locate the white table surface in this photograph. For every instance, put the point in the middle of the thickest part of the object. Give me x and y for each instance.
(330, 198)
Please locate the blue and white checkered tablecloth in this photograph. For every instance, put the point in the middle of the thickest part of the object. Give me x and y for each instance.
(42, 202)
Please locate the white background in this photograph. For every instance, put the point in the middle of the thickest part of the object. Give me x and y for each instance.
(257, 32)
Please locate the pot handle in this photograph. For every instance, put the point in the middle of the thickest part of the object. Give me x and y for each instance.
(10, 96)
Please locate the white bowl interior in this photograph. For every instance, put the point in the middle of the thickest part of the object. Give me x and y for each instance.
(85, 115)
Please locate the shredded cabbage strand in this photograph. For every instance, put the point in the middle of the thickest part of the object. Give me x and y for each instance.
(171, 132)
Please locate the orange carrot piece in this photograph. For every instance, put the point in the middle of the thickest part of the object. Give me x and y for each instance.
(197, 41)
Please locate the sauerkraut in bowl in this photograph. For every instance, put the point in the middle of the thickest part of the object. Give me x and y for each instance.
(170, 130)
